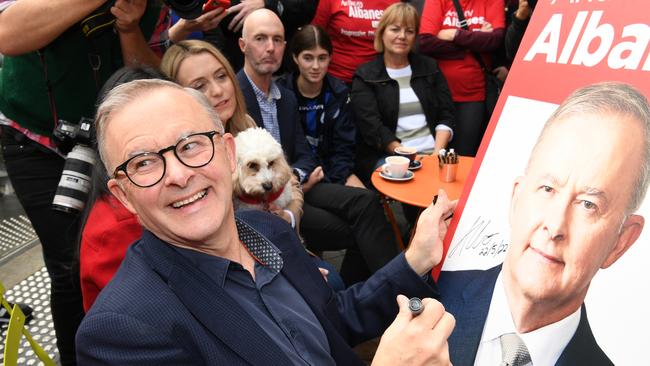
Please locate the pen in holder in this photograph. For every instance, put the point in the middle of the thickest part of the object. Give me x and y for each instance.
(448, 163)
(447, 172)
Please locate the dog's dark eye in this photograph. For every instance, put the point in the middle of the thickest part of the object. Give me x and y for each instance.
(253, 166)
(271, 163)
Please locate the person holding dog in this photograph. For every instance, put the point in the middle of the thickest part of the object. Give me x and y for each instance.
(335, 216)
(204, 286)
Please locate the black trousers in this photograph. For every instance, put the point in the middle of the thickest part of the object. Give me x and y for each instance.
(34, 172)
(470, 127)
(338, 217)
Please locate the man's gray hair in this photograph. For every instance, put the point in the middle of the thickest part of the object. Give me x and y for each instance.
(613, 98)
(120, 96)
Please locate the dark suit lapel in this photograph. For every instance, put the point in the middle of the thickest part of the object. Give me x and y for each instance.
(252, 106)
(211, 305)
(582, 348)
(470, 310)
(285, 120)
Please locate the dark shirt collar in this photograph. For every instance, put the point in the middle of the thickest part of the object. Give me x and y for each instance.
(263, 251)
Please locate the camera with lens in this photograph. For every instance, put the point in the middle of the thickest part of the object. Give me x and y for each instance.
(76, 179)
(188, 9)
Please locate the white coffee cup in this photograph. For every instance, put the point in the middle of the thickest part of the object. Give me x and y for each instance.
(395, 166)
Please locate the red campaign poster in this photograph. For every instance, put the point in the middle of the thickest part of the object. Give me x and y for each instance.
(550, 243)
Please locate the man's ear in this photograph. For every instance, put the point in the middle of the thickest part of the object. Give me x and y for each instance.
(242, 44)
(119, 193)
(231, 151)
(514, 195)
(630, 232)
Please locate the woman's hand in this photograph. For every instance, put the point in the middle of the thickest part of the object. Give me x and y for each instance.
(447, 34)
(486, 27)
(392, 146)
(316, 176)
(354, 181)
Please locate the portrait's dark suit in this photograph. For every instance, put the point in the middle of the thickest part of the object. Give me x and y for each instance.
(292, 137)
(159, 309)
(467, 294)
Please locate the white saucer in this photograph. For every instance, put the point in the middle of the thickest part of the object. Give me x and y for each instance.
(417, 164)
(408, 176)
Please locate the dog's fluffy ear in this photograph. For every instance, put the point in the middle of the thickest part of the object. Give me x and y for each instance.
(256, 142)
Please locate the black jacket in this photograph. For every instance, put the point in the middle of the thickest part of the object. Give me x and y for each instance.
(375, 102)
(338, 132)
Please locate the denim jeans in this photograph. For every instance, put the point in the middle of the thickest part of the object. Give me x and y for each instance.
(34, 172)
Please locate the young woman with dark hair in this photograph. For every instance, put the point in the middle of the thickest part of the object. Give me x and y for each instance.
(323, 102)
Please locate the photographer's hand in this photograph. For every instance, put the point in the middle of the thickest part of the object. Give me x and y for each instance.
(127, 14)
(184, 27)
(243, 9)
(135, 49)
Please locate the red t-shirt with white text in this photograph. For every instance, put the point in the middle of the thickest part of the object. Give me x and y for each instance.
(351, 26)
(464, 76)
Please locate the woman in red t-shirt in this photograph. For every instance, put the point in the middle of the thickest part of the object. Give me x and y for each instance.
(442, 38)
(351, 26)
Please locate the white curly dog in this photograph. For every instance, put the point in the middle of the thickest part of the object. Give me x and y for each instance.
(262, 178)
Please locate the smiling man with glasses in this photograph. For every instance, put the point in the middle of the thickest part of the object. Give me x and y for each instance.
(204, 287)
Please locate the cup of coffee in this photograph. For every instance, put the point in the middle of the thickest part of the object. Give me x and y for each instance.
(407, 152)
(395, 166)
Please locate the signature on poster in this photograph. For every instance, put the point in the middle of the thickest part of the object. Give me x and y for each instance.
(480, 240)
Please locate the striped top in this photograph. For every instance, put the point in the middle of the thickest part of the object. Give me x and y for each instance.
(412, 128)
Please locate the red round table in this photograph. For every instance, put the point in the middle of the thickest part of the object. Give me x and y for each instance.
(424, 186)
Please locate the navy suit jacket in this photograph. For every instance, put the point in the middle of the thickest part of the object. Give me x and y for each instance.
(467, 295)
(159, 309)
(292, 137)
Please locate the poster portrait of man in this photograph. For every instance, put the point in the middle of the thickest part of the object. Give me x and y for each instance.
(572, 212)
(546, 256)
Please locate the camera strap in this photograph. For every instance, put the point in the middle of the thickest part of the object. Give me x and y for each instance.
(48, 85)
(463, 24)
(95, 62)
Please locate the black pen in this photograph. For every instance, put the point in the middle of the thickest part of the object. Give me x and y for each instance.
(435, 199)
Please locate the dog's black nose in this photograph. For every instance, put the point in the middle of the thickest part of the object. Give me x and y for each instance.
(267, 186)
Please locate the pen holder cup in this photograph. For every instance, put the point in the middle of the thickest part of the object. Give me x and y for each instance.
(447, 172)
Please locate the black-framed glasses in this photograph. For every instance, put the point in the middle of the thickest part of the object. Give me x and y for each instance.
(148, 168)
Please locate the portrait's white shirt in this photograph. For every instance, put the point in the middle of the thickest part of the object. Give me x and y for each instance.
(545, 345)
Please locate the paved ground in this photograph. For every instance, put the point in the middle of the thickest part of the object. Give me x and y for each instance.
(23, 274)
